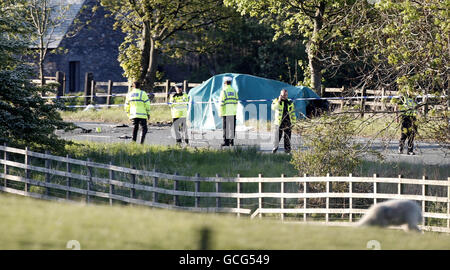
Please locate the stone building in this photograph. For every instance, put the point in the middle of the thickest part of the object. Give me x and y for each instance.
(90, 44)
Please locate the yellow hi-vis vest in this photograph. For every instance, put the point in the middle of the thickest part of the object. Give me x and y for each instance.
(408, 106)
(228, 101)
(137, 104)
(278, 107)
(179, 105)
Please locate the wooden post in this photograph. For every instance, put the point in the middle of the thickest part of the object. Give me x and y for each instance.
(260, 200)
(89, 173)
(197, 189)
(5, 167)
(133, 182)
(342, 100)
(185, 86)
(282, 197)
(167, 90)
(60, 80)
(93, 92)
(87, 86)
(47, 175)
(175, 188)
(238, 191)
(155, 185)
(350, 191)
(327, 206)
(424, 194)
(218, 190)
(111, 186)
(363, 101)
(383, 103)
(399, 186)
(448, 204)
(305, 191)
(109, 97)
(375, 188)
(27, 171)
(68, 180)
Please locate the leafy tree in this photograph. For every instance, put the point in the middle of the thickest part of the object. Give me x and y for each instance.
(322, 24)
(151, 27)
(26, 118)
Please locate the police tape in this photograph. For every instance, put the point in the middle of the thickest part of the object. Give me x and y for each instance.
(257, 100)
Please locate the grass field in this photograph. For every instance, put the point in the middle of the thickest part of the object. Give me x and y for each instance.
(33, 224)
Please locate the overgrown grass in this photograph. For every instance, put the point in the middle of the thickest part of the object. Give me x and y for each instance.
(186, 161)
(114, 115)
(33, 224)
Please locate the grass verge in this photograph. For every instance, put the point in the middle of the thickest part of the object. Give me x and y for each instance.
(33, 224)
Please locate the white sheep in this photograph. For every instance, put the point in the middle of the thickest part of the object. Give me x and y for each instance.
(393, 212)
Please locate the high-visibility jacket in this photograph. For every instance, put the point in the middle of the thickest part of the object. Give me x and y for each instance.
(228, 101)
(137, 104)
(408, 106)
(278, 107)
(179, 105)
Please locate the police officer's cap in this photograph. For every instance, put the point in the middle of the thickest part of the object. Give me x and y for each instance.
(179, 84)
(227, 79)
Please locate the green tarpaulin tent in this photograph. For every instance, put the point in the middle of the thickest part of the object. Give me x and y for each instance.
(255, 99)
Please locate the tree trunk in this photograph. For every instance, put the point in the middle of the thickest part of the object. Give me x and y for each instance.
(150, 75)
(314, 47)
(145, 55)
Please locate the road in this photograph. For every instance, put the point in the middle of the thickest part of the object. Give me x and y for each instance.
(427, 153)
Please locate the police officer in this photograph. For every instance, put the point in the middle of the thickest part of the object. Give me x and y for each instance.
(137, 106)
(179, 104)
(284, 117)
(407, 106)
(228, 108)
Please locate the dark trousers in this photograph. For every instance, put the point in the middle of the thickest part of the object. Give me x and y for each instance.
(136, 123)
(409, 130)
(229, 129)
(278, 132)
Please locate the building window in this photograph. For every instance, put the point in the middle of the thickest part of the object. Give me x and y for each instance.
(74, 76)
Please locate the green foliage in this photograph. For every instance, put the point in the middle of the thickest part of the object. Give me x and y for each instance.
(26, 119)
(329, 146)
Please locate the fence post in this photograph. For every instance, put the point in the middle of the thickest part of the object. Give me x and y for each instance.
(167, 90)
(383, 101)
(185, 86)
(111, 186)
(27, 171)
(60, 80)
(282, 197)
(197, 189)
(109, 97)
(47, 175)
(399, 186)
(260, 200)
(327, 206)
(175, 188)
(238, 191)
(5, 167)
(133, 182)
(375, 188)
(68, 181)
(218, 190)
(424, 194)
(342, 100)
(155, 185)
(305, 191)
(350, 191)
(89, 172)
(448, 203)
(363, 101)
(93, 92)
(88, 77)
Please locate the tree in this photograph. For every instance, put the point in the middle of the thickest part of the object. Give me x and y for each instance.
(26, 118)
(151, 26)
(44, 17)
(321, 23)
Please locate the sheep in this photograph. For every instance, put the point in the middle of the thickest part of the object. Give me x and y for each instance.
(393, 212)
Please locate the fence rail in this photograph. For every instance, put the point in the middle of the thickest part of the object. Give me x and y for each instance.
(33, 174)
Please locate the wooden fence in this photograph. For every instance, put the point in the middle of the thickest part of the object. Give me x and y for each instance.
(51, 177)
